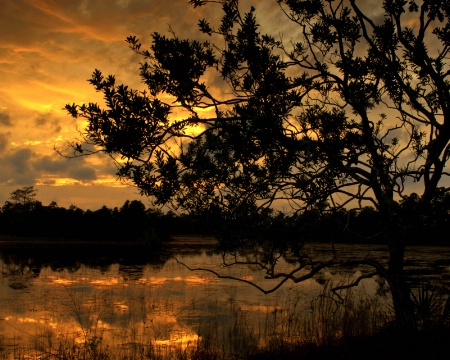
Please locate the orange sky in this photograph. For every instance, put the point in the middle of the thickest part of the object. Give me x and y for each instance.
(48, 49)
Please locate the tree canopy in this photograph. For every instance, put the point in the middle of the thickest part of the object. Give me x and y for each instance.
(352, 108)
(24, 196)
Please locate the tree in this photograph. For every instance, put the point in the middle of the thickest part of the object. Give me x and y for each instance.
(18, 212)
(24, 196)
(346, 113)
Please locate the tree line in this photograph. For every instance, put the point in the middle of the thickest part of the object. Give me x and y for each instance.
(24, 216)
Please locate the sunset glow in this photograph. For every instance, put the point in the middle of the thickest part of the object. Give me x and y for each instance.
(48, 51)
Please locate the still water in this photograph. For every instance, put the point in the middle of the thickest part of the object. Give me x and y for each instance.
(128, 297)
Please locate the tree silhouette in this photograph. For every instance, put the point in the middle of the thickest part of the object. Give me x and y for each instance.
(346, 112)
(133, 223)
(24, 196)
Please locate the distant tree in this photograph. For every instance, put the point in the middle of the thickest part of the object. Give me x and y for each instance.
(133, 208)
(17, 212)
(24, 196)
(53, 205)
(133, 219)
(346, 110)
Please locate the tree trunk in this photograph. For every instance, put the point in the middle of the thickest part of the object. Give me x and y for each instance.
(400, 289)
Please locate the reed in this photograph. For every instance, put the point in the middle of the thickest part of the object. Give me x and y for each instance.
(349, 326)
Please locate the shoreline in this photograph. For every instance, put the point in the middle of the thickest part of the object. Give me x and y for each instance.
(174, 240)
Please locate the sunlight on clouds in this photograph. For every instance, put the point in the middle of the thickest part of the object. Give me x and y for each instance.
(67, 181)
(69, 24)
(52, 47)
(59, 139)
(32, 142)
(64, 181)
(35, 105)
(111, 181)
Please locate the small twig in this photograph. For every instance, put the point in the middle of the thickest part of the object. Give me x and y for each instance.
(352, 284)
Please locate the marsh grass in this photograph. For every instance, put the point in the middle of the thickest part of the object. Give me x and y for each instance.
(351, 326)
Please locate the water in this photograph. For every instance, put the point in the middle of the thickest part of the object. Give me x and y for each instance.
(132, 298)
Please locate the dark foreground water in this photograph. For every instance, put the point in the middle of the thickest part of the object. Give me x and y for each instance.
(126, 296)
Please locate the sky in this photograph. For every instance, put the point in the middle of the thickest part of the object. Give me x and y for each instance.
(48, 50)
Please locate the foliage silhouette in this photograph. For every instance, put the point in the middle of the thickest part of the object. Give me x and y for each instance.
(24, 196)
(348, 113)
(132, 222)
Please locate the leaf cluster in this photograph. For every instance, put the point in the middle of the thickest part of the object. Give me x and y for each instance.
(347, 112)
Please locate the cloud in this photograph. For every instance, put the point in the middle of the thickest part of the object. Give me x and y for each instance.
(48, 50)
(5, 119)
(20, 160)
(24, 180)
(83, 173)
(3, 142)
(48, 121)
(76, 169)
(26, 167)
(17, 168)
(48, 164)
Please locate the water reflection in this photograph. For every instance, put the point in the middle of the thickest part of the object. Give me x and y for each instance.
(132, 298)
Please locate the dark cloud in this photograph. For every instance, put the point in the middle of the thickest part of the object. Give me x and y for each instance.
(74, 168)
(17, 169)
(3, 142)
(24, 179)
(24, 167)
(5, 119)
(83, 173)
(20, 160)
(48, 121)
(48, 164)
(49, 49)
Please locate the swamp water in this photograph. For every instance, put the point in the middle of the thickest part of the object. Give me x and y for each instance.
(58, 300)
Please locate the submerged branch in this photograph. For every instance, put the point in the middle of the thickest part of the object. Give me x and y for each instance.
(352, 284)
(316, 267)
(219, 276)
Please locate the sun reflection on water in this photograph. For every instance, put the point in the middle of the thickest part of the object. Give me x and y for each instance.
(139, 306)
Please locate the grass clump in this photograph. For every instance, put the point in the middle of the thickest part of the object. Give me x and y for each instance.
(359, 327)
